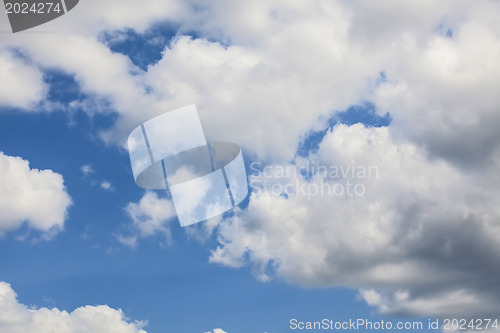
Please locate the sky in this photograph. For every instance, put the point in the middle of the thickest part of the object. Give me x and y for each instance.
(370, 137)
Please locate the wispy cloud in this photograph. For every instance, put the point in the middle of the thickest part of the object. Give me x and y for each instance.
(106, 185)
(87, 169)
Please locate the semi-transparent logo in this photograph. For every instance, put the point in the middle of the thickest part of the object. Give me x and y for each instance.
(170, 152)
(26, 14)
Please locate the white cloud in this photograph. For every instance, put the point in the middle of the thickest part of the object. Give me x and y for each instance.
(106, 185)
(130, 241)
(37, 197)
(218, 330)
(18, 318)
(87, 169)
(118, 14)
(22, 84)
(450, 85)
(149, 216)
(289, 63)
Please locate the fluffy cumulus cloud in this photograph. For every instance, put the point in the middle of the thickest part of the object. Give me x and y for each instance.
(421, 232)
(18, 318)
(22, 84)
(416, 233)
(150, 216)
(32, 196)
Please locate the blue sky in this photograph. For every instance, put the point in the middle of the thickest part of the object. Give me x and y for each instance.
(331, 84)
